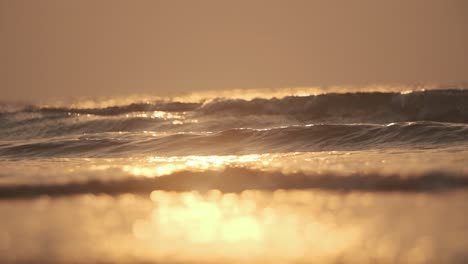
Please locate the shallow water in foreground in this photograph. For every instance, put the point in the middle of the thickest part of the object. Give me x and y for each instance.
(253, 226)
(332, 178)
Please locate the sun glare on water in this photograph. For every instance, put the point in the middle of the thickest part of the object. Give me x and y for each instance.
(251, 224)
(161, 166)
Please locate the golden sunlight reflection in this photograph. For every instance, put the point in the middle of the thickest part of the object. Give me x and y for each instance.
(216, 217)
(248, 221)
(316, 163)
(252, 226)
(341, 162)
(158, 115)
(168, 165)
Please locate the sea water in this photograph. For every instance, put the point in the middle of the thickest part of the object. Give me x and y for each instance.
(286, 177)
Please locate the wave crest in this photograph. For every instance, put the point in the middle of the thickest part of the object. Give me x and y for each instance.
(435, 105)
(321, 137)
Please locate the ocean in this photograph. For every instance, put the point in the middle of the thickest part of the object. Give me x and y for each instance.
(278, 176)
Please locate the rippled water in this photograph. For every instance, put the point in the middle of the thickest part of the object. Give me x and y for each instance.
(363, 177)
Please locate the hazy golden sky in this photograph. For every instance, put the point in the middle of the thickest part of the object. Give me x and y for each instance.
(68, 48)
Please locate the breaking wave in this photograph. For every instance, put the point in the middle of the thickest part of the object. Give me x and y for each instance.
(436, 105)
(430, 105)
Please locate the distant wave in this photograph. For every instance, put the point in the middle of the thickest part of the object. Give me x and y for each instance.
(319, 137)
(118, 110)
(430, 105)
(435, 105)
(240, 179)
(55, 126)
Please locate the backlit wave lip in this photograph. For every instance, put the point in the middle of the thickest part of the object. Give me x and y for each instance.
(440, 102)
(232, 180)
(246, 94)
